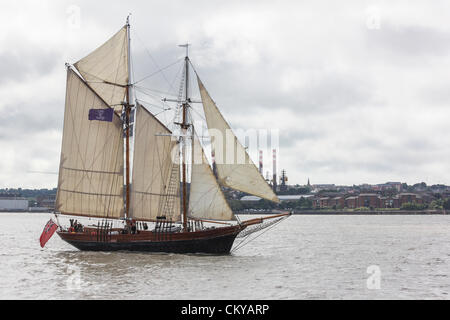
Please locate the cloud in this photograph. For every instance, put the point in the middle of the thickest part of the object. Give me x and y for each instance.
(352, 103)
(408, 41)
(19, 65)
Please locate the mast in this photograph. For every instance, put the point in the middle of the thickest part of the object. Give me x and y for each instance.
(127, 128)
(185, 126)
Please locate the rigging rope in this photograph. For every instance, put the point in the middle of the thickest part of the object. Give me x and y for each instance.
(250, 230)
(247, 232)
(160, 70)
(154, 61)
(156, 92)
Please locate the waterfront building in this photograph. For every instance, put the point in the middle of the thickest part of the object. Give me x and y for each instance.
(13, 204)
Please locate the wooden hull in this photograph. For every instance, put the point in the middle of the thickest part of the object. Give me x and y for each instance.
(212, 241)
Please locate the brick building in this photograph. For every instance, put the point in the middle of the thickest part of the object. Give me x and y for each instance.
(409, 198)
(337, 202)
(389, 202)
(351, 202)
(369, 200)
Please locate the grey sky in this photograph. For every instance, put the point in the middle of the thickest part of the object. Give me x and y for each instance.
(358, 89)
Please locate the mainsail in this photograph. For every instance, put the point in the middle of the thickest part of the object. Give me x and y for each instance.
(90, 179)
(156, 170)
(206, 200)
(106, 69)
(235, 169)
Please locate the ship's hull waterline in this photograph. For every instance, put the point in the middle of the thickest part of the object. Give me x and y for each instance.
(212, 241)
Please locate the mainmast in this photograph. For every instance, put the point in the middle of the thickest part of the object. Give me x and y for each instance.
(184, 128)
(128, 107)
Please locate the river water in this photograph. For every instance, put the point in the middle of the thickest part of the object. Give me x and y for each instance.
(304, 257)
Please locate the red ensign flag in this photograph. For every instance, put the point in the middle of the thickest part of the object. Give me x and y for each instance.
(48, 232)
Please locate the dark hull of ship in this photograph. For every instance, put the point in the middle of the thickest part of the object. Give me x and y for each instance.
(215, 241)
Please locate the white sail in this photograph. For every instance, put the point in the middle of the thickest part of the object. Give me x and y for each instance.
(91, 168)
(206, 200)
(235, 169)
(106, 69)
(156, 180)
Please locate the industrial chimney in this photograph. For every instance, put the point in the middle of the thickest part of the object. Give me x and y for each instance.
(274, 183)
(261, 161)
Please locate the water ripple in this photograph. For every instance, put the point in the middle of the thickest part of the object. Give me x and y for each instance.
(308, 257)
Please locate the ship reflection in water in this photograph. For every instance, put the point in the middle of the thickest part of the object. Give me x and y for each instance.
(311, 257)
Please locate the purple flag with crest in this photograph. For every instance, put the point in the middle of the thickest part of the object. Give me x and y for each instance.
(101, 114)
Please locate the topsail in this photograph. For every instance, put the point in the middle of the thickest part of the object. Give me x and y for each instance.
(106, 69)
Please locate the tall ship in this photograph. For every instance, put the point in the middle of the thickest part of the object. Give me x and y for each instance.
(168, 197)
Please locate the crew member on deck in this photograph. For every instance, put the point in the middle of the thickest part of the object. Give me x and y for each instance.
(133, 226)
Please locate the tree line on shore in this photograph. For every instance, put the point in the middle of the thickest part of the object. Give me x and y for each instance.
(307, 204)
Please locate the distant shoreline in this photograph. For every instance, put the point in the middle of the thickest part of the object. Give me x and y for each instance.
(339, 212)
(316, 212)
